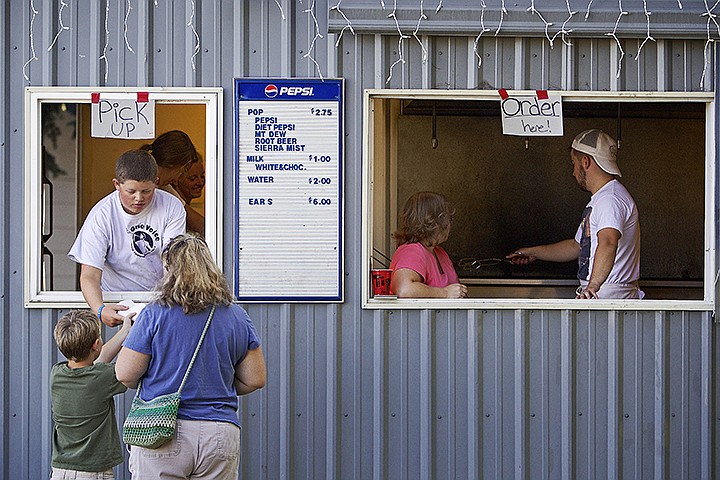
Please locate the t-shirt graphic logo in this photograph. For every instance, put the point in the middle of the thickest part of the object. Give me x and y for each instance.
(142, 243)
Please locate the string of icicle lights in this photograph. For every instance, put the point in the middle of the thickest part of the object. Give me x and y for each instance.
(309, 7)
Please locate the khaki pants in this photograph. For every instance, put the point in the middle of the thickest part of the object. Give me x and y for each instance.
(200, 449)
(64, 474)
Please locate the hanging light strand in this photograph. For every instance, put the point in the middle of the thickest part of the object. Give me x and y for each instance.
(33, 57)
(125, 26)
(613, 34)
(61, 25)
(417, 28)
(348, 24)
(311, 12)
(401, 58)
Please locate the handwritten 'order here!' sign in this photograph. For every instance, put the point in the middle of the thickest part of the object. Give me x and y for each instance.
(531, 115)
(128, 116)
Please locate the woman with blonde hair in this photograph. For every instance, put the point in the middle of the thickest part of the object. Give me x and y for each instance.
(193, 296)
(175, 154)
(421, 267)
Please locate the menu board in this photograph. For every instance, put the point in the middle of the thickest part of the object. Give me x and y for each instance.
(288, 190)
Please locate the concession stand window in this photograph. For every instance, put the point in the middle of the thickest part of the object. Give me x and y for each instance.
(512, 191)
(68, 169)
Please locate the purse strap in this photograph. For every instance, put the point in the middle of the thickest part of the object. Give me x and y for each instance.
(192, 360)
(197, 349)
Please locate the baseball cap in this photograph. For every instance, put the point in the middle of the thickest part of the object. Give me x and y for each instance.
(601, 146)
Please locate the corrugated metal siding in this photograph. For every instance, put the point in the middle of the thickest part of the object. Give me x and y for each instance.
(380, 394)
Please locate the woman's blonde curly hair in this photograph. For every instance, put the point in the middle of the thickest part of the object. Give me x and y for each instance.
(192, 279)
(424, 219)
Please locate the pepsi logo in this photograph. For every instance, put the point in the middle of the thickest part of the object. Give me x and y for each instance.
(271, 91)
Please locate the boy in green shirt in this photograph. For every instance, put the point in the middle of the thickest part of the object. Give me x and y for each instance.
(85, 436)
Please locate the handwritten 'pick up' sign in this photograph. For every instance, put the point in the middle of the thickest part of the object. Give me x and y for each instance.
(532, 115)
(123, 117)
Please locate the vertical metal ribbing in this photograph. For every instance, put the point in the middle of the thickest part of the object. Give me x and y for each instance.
(685, 399)
(498, 400)
(659, 387)
(48, 359)
(379, 64)
(568, 67)
(706, 373)
(426, 66)
(519, 394)
(660, 65)
(614, 80)
(286, 28)
(285, 391)
(472, 67)
(545, 394)
(97, 12)
(451, 395)
(331, 393)
(613, 396)
(238, 60)
(378, 392)
(591, 395)
(331, 63)
(637, 410)
(143, 44)
(496, 72)
(566, 396)
(519, 64)
(309, 413)
(425, 396)
(404, 397)
(473, 406)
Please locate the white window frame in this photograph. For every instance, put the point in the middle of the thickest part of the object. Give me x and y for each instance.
(709, 261)
(34, 295)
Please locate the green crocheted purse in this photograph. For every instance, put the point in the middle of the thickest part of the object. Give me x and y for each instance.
(151, 423)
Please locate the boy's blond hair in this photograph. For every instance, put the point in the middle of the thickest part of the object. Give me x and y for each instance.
(75, 334)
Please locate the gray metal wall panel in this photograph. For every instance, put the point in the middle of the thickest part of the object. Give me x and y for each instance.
(380, 394)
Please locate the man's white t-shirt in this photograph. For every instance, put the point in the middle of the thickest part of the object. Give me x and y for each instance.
(126, 247)
(611, 207)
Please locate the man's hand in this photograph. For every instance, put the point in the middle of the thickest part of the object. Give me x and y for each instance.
(110, 316)
(587, 293)
(520, 257)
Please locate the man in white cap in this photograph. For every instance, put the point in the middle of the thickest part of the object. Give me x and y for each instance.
(607, 243)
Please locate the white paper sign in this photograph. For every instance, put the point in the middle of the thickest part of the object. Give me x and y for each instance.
(530, 116)
(123, 118)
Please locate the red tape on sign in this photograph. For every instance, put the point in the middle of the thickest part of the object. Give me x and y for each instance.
(142, 96)
(503, 93)
(95, 97)
(541, 94)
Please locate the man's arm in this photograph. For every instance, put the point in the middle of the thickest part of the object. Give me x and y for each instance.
(608, 239)
(90, 286)
(562, 251)
(250, 373)
(111, 348)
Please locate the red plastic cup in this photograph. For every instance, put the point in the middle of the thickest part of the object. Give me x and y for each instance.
(381, 281)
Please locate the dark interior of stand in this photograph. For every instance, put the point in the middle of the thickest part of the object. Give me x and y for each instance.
(511, 191)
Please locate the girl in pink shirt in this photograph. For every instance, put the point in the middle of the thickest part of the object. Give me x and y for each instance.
(421, 267)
